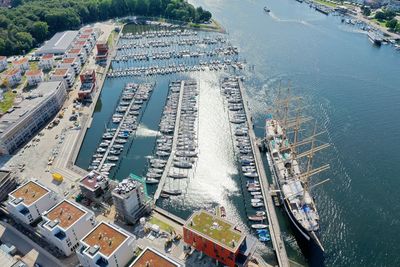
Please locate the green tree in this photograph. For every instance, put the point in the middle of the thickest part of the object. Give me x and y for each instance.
(380, 15)
(391, 24)
(40, 30)
(142, 7)
(154, 7)
(366, 11)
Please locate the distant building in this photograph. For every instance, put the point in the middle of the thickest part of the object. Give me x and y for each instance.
(151, 257)
(71, 62)
(58, 44)
(106, 245)
(7, 184)
(130, 201)
(47, 62)
(102, 52)
(66, 75)
(218, 239)
(27, 202)
(95, 32)
(66, 224)
(77, 53)
(86, 45)
(21, 64)
(24, 120)
(88, 37)
(88, 84)
(3, 63)
(34, 77)
(12, 76)
(95, 186)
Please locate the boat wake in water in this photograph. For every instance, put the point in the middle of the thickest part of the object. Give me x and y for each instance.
(144, 131)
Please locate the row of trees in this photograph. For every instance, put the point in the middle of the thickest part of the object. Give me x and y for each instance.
(30, 22)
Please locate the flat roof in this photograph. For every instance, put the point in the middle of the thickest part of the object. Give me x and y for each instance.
(93, 178)
(48, 56)
(4, 174)
(75, 50)
(106, 237)
(215, 229)
(60, 71)
(21, 61)
(30, 192)
(66, 212)
(152, 257)
(60, 42)
(33, 72)
(11, 72)
(22, 109)
(69, 60)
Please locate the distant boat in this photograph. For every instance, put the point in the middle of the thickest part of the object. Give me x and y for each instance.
(375, 38)
(259, 226)
(175, 192)
(256, 218)
(151, 181)
(266, 9)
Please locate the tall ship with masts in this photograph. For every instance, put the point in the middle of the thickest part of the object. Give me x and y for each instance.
(290, 161)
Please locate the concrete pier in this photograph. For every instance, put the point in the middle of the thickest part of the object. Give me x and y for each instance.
(174, 143)
(274, 228)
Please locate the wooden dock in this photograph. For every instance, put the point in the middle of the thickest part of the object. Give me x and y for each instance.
(174, 143)
(274, 228)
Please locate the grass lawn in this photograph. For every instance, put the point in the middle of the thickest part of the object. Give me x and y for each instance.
(215, 228)
(380, 22)
(322, 2)
(164, 226)
(7, 102)
(111, 38)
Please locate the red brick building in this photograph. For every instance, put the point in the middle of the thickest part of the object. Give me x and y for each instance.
(218, 239)
(102, 52)
(88, 84)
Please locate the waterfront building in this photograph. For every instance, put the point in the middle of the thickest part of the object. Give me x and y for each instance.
(58, 44)
(7, 184)
(66, 75)
(66, 224)
(12, 76)
(88, 37)
(73, 63)
(218, 239)
(29, 201)
(106, 245)
(21, 64)
(130, 201)
(34, 77)
(102, 52)
(77, 53)
(95, 186)
(151, 257)
(88, 84)
(3, 63)
(26, 118)
(47, 62)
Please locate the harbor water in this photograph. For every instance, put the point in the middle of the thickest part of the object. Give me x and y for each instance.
(348, 85)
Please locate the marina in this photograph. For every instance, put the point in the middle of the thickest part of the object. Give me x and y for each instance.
(171, 166)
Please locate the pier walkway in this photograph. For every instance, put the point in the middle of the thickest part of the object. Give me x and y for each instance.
(174, 143)
(116, 134)
(274, 228)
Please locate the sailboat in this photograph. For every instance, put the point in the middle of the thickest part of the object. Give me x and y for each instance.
(293, 182)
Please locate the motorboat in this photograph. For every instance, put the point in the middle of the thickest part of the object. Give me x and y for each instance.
(259, 226)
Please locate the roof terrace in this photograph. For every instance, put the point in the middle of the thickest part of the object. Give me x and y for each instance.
(66, 213)
(215, 229)
(106, 238)
(29, 192)
(151, 257)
